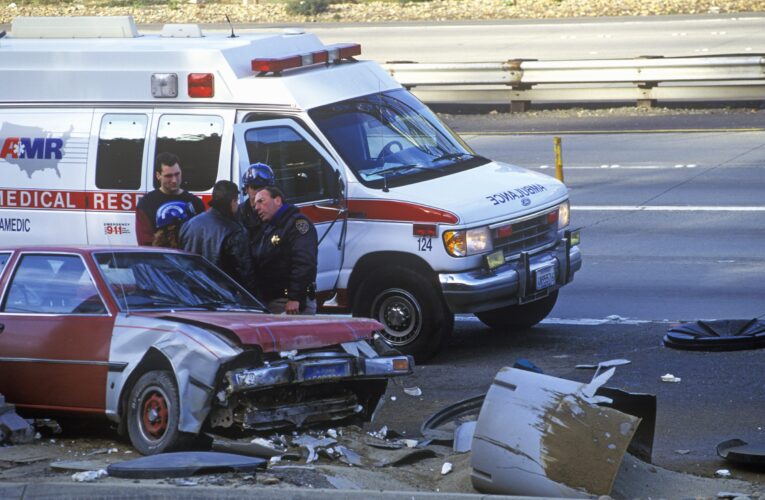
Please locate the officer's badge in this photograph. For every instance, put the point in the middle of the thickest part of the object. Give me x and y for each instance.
(275, 239)
(302, 226)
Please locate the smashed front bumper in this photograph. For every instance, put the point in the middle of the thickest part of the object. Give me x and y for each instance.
(511, 283)
(307, 388)
(318, 367)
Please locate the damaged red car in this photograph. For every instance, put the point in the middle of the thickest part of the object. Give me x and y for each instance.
(166, 346)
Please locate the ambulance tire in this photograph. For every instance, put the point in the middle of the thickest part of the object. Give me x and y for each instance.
(519, 317)
(415, 316)
(153, 414)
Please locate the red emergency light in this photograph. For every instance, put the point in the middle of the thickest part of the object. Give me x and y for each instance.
(201, 85)
(332, 54)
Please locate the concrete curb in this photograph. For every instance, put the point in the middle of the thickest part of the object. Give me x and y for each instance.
(66, 491)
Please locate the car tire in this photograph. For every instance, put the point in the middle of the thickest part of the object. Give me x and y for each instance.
(519, 317)
(153, 414)
(414, 314)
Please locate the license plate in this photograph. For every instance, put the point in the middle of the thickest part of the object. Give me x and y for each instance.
(545, 277)
(326, 370)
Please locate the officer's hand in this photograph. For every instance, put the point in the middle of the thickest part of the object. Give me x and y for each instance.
(292, 307)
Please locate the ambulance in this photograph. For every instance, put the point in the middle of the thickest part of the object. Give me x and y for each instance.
(414, 225)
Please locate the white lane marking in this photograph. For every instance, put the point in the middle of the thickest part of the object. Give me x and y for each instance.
(610, 320)
(666, 208)
(622, 167)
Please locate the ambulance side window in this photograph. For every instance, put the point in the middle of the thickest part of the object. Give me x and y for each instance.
(120, 151)
(301, 172)
(196, 139)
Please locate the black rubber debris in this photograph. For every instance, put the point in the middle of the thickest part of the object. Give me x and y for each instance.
(185, 464)
(741, 452)
(719, 335)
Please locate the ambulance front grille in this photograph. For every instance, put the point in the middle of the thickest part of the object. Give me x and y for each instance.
(528, 235)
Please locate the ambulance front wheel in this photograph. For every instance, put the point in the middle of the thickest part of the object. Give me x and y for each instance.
(415, 318)
(521, 316)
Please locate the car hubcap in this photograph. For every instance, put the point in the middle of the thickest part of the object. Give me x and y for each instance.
(400, 312)
(155, 413)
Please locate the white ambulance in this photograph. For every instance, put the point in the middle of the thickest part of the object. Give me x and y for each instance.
(414, 225)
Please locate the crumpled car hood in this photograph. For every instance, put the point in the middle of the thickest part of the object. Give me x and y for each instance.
(275, 333)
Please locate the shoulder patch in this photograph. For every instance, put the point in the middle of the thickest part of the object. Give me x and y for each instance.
(302, 226)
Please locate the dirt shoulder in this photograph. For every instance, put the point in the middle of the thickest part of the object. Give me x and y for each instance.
(260, 11)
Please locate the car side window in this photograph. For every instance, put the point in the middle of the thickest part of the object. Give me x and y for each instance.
(301, 171)
(52, 284)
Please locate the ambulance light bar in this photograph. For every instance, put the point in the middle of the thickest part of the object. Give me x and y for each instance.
(332, 54)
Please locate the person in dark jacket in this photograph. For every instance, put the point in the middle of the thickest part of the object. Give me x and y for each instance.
(167, 169)
(217, 236)
(284, 254)
(255, 178)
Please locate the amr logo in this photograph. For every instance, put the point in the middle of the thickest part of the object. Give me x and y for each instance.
(41, 148)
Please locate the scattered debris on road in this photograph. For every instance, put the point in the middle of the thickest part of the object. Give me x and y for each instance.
(668, 377)
(13, 428)
(604, 364)
(88, 476)
(185, 464)
(719, 335)
(560, 441)
(740, 452)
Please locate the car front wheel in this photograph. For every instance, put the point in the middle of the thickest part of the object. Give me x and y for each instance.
(521, 316)
(153, 414)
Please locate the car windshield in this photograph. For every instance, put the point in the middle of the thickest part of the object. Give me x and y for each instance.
(391, 139)
(155, 281)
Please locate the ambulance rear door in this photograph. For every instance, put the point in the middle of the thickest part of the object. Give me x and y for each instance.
(43, 159)
(310, 179)
(117, 174)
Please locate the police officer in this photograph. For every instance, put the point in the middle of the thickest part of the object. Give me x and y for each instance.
(217, 236)
(255, 178)
(284, 253)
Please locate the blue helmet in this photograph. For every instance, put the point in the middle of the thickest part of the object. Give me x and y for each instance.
(258, 175)
(173, 212)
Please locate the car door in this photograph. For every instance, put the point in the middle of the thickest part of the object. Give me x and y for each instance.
(56, 333)
(310, 179)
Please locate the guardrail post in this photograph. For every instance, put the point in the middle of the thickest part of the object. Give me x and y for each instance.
(645, 91)
(518, 106)
(558, 159)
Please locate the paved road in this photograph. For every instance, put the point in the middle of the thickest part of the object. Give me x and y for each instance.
(552, 39)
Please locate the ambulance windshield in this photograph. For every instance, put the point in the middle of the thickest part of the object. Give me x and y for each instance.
(392, 139)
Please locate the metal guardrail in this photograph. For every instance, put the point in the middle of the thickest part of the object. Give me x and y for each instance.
(645, 80)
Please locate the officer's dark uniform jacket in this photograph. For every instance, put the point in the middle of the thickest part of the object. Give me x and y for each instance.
(284, 253)
(223, 241)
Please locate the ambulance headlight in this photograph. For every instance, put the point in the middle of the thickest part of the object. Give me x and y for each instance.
(564, 214)
(468, 242)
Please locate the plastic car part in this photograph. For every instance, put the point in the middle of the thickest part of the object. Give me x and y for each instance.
(539, 435)
(741, 452)
(719, 335)
(184, 464)
(440, 426)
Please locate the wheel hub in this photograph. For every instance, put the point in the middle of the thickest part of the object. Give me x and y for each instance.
(155, 415)
(398, 316)
(400, 312)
